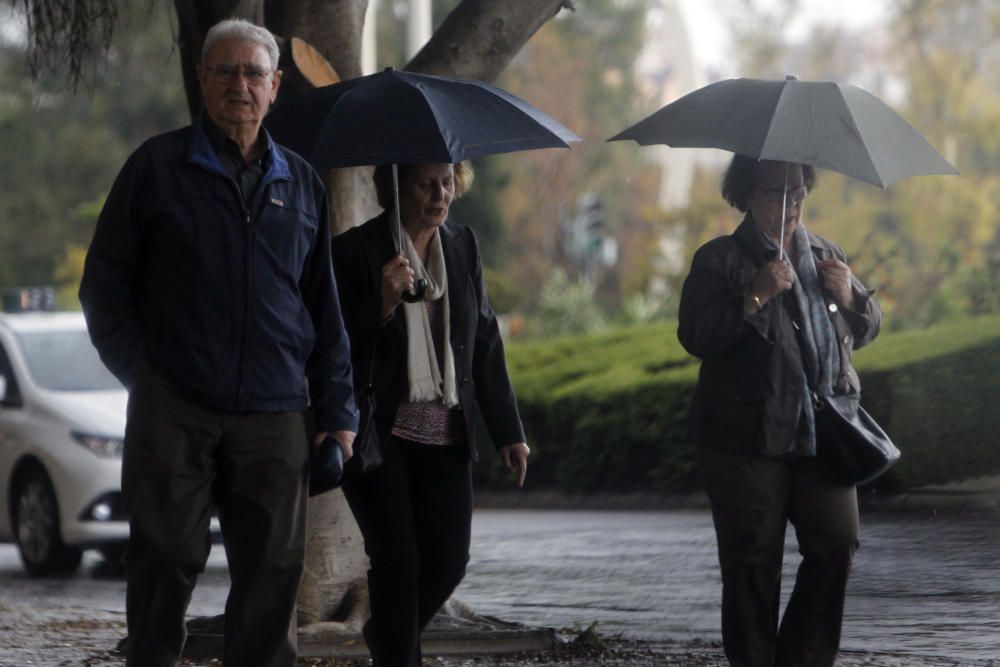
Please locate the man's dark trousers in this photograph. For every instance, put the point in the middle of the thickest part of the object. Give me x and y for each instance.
(753, 498)
(180, 462)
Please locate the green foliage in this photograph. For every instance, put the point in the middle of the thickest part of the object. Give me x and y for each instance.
(907, 348)
(480, 209)
(930, 245)
(62, 149)
(591, 94)
(567, 306)
(640, 309)
(607, 412)
(589, 638)
(502, 295)
(935, 391)
(68, 274)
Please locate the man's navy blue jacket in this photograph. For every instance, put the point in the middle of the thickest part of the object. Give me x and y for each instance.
(234, 306)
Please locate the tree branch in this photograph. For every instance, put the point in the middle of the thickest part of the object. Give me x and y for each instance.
(480, 37)
(60, 33)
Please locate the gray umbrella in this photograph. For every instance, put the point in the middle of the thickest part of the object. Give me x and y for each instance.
(824, 124)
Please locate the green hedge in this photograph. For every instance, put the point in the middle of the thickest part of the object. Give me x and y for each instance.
(937, 393)
(607, 412)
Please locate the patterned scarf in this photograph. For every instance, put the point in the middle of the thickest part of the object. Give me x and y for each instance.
(818, 342)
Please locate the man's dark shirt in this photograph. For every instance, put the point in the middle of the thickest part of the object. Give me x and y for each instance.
(246, 174)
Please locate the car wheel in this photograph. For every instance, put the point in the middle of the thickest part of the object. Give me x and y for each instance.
(112, 565)
(36, 527)
(113, 552)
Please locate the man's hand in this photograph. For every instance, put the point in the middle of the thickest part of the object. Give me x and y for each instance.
(515, 458)
(344, 438)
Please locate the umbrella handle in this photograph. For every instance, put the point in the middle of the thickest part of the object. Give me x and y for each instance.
(420, 286)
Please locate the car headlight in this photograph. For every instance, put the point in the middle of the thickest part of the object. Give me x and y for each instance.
(100, 445)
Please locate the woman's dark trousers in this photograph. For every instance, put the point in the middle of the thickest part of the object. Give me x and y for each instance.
(753, 498)
(415, 513)
(181, 461)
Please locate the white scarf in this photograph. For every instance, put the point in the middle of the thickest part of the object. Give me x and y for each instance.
(423, 371)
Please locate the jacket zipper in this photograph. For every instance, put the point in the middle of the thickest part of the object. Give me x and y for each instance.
(247, 293)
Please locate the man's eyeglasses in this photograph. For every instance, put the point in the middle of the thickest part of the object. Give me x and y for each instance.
(227, 73)
(796, 194)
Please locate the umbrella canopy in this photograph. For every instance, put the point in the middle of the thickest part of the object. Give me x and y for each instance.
(395, 117)
(824, 124)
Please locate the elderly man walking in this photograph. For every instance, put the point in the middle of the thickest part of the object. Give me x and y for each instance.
(208, 290)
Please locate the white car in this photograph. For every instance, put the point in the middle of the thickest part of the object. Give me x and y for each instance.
(62, 424)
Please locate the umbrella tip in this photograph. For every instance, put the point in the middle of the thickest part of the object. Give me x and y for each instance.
(791, 77)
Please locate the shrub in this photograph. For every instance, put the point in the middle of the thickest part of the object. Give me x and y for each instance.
(607, 412)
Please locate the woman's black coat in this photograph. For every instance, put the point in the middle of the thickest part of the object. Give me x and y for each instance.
(480, 365)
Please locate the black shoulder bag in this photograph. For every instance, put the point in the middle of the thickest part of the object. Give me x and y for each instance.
(849, 442)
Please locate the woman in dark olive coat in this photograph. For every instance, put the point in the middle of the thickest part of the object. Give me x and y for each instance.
(768, 326)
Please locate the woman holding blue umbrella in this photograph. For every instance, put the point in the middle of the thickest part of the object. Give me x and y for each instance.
(423, 368)
(774, 313)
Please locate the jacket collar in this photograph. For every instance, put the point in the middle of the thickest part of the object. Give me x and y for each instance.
(456, 260)
(201, 153)
(762, 250)
(751, 238)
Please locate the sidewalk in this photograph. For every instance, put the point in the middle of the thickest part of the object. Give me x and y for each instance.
(67, 632)
(979, 495)
(68, 637)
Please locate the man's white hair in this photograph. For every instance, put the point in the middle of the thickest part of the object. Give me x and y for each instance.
(244, 31)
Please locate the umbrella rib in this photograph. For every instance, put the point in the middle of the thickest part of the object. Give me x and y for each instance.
(852, 124)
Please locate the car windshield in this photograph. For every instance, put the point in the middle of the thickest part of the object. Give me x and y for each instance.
(65, 361)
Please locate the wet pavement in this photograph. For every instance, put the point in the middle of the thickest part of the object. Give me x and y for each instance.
(924, 593)
(78, 619)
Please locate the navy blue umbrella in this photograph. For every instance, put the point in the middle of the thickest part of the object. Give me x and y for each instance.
(395, 117)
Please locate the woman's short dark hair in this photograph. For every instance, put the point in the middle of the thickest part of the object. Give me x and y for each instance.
(741, 178)
(383, 181)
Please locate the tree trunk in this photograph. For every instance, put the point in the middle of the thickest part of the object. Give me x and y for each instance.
(334, 586)
(332, 27)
